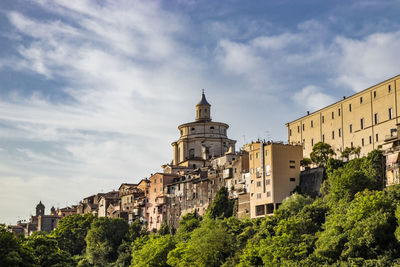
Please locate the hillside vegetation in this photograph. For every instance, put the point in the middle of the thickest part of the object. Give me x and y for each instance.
(354, 223)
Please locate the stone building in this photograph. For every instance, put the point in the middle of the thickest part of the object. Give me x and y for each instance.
(391, 148)
(39, 222)
(363, 119)
(156, 208)
(132, 201)
(199, 141)
(274, 174)
(105, 200)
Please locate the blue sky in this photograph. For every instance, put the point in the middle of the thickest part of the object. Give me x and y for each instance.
(92, 92)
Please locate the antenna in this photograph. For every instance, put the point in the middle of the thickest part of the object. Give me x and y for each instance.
(202, 91)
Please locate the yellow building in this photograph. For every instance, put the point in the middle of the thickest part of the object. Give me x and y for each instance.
(363, 119)
(274, 174)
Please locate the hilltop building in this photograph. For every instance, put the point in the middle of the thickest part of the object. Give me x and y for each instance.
(363, 119)
(274, 175)
(199, 141)
(39, 222)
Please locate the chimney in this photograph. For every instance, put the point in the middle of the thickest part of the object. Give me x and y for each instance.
(344, 97)
(308, 112)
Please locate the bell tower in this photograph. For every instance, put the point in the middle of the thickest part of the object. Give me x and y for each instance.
(39, 209)
(203, 109)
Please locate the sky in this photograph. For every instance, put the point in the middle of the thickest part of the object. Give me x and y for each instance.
(92, 92)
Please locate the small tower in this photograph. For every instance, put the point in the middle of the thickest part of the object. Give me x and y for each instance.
(203, 109)
(39, 209)
(53, 211)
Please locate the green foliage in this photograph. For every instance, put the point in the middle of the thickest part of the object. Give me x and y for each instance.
(46, 251)
(12, 252)
(71, 232)
(164, 229)
(355, 176)
(363, 228)
(222, 206)
(321, 152)
(104, 238)
(209, 245)
(152, 250)
(187, 224)
(292, 205)
(305, 162)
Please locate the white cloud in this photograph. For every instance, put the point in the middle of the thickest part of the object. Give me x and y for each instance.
(312, 98)
(368, 61)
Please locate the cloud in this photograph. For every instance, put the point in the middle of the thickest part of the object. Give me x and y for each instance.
(369, 60)
(312, 98)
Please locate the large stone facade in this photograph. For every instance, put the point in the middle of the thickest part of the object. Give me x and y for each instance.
(363, 119)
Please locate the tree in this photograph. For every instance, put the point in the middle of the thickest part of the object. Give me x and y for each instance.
(209, 245)
(187, 224)
(321, 152)
(103, 240)
(361, 229)
(71, 232)
(222, 206)
(46, 251)
(152, 250)
(12, 252)
(305, 162)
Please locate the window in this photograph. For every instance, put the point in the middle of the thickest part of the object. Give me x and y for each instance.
(362, 123)
(312, 142)
(293, 179)
(377, 138)
(312, 124)
(266, 152)
(323, 119)
(193, 129)
(351, 144)
(389, 88)
(333, 115)
(290, 132)
(260, 210)
(258, 195)
(251, 156)
(362, 141)
(303, 126)
(258, 184)
(390, 113)
(376, 118)
(268, 181)
(340, 132)
(191, 153)
(349, 107)
(268, 193)
(360, 100)
(251, 170)
(298, 129)
(370, 139)
(374, 94)
(257, 155)
(323, 138)
(339, 112)
(351, 128)
(333, 135)
(258, 172)
(212, 128)
(292, 161)
(160, 180)
(292, 167)
(267, 170)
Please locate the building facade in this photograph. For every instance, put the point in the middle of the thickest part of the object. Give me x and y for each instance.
(361, 120)
(274, 175)
(199, 140)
